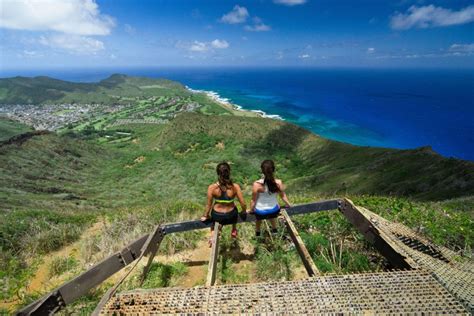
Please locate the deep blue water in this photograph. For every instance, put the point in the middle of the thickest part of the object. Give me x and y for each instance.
(388, 108)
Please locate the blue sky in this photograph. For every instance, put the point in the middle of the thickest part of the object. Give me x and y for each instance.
(319, 33)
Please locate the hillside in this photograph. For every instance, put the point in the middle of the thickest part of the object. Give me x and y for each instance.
(115, 89)
(125, 178)
(10, 128)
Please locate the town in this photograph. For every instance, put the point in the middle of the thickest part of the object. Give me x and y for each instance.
(54, 117)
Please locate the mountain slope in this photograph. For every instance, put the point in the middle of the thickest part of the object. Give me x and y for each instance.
(9, 128)
(41, 90)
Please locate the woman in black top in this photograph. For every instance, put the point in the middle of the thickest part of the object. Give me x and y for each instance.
(220, 205)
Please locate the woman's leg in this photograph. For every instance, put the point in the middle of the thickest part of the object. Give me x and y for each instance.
(233, 233)
(210, 237)
(258, 224)
(273, 222)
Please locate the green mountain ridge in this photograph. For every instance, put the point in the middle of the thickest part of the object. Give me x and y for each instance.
(43, 89)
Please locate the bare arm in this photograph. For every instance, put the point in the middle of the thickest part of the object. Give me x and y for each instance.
(283, 193)
(240, 196)
(254, 197)
(208, 204)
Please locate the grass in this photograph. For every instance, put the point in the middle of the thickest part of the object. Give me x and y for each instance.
(164, 275)
(275, 261)
(9, 128)
(62, 265)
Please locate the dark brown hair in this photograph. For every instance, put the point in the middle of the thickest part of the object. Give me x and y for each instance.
(268, 168)
(223, 172)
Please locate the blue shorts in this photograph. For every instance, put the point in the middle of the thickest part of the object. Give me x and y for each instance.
(267, 214)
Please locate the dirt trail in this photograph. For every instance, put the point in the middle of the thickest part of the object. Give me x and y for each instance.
(42, 281)
(197, 261)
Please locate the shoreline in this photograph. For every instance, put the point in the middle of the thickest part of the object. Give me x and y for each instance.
(225, 102)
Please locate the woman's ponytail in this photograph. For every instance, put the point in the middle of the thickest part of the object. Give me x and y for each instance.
(268, 168)
(223, 173)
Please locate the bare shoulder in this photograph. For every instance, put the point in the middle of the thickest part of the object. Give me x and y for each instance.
(257, 184)
(212, 186)
(236, 186)
(280, 184)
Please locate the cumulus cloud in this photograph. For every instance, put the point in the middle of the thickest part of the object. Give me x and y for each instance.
(77, 44)
(290, 2)
(219, 44)
(431, 16)
(201, 47)
(258, 26)
(462, 48)
(237, 15)
(80, 17)
(197, 46)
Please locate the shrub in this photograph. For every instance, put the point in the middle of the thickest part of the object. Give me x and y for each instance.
(61, 265)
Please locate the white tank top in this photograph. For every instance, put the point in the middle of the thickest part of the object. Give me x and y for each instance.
(266, 200)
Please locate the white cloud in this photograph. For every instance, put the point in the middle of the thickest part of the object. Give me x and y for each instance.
(199, 47)
(431, 16)
(370, 50)
(220, 44)
(304, 56)
(29, 54)
(462, 48)
(80, 17)
(237, 15)
(290, 2)
(75, 44)
(258, 26)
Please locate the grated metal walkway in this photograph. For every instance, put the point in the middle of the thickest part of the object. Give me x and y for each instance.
(453, 271)
(397, 292)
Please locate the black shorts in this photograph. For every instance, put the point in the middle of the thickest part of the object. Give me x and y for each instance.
(225, 218)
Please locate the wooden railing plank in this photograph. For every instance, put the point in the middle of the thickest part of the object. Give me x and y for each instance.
(212, 267)
(308, 263)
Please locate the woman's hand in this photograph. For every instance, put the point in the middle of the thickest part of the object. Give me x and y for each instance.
(204, 218)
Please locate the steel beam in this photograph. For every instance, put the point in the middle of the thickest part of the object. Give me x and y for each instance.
(153, 241)
(80, 285)
(294, 210)
(374, 236)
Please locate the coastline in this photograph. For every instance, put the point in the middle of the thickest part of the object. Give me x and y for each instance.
(225, 102)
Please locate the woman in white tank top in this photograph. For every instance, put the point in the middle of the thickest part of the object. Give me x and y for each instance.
(265, 197)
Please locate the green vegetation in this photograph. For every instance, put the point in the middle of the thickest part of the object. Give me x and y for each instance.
(61, 265)
(164, 275)
(120, 181)
(118, 89)
(9, 128)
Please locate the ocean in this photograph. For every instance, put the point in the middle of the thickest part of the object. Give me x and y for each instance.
(403, 108)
